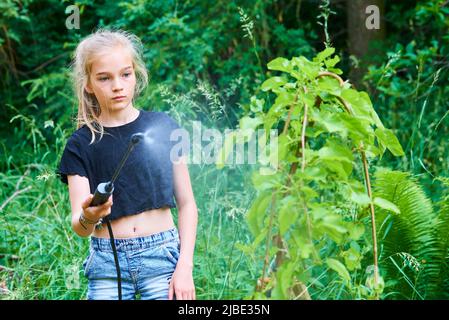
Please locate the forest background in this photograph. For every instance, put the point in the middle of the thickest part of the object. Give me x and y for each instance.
(209, 62)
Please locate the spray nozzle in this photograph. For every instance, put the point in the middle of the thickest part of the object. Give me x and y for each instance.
(109, 187)
(137, 137)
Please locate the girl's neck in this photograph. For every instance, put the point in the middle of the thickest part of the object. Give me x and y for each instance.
(119, 117)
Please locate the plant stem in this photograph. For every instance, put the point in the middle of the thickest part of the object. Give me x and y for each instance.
(373, 217)
(267, 245)
(367, 181)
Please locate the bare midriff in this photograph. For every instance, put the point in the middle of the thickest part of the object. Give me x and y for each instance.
(139, 225)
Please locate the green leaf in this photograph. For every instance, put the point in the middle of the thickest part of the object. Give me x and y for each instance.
(387, 138)
(385, 204)
(284, 99)
(335, 151)
(360, 198)
(306, 69)
(309, 99)
(329, 224)
(256, 105)
(337, 167)
(325, 54)
(366, 101)
(283, 147)
(263, 182)
(284, 276)
(339, 268)
(334, 229)
(259, 238)
(317, 174)
(310, 69)
(330, 121)
(361, 105)
(270, 119)
(352, 258)
(337, 157)
(356, 230)
(358, 128)
(273, 83)
(283, 280)
(372, 151)
(287, 214)
(313, 132)
(250, 123)
(332, 62)
(280, 64)
(309, 193)
(256, 213)
(329, 85)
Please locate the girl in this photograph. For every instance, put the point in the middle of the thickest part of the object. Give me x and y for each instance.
(155, 261)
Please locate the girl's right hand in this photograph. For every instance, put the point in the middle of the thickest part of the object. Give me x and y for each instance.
(97, 212)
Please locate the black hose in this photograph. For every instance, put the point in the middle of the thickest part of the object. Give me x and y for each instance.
(117, 265)
(103, 192)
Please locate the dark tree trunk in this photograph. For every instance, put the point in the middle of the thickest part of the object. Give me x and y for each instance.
(361, 39)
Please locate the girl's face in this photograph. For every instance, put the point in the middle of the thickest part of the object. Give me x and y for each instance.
(112, 80)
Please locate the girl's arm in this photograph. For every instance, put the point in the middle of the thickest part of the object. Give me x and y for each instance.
(187, 212)
(80, 198)
(182, 284)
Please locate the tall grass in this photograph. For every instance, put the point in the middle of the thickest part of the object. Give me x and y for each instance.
(41, 257)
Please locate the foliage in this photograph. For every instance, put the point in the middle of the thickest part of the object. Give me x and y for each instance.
(208, 61)
(313, 216)
(414, 242)
(409, 85)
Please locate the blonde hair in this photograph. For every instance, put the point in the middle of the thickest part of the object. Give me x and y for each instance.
(88, 107)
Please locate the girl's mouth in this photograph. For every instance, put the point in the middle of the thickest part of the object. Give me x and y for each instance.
(119, 98)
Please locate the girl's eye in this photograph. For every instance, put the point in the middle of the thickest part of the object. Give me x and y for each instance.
(103, 78)
(127, 74)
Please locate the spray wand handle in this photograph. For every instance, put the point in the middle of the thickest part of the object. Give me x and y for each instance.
(102, 193)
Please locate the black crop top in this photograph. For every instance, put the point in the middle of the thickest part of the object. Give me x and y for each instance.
(146, 179)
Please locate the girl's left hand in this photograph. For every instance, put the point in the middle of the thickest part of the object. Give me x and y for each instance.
(182, 284)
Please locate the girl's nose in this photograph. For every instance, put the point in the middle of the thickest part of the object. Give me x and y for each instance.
(117, 85)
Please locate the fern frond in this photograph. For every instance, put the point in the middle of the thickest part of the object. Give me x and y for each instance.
(442, 232)
(413, 231)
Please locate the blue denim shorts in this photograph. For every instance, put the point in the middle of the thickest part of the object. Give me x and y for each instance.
(146, 265)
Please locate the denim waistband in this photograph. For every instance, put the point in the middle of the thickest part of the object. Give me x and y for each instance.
(127, 244)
